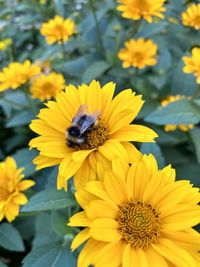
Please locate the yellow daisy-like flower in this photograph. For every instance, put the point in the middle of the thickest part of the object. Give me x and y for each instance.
(191, 17)
(11, 187)
(192, 64)
(138, 216)
(5, 43)
(138, 53)
(17, 74)
(100, 144)
(45, 87)
(138, 9)
(172, 127)
(58, 30)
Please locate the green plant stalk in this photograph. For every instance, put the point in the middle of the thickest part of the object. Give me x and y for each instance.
(97, 27)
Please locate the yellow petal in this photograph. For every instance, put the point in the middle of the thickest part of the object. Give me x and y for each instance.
(80, 238)
(23, 185)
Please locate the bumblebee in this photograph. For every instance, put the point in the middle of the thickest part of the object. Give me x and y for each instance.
(82, 123)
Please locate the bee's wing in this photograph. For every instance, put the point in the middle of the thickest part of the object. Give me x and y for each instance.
(81, 111)
(89, 121)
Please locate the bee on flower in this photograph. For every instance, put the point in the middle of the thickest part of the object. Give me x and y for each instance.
(87, 128)
(11, 189)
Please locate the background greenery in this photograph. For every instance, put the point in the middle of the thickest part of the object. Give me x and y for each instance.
(39, 236)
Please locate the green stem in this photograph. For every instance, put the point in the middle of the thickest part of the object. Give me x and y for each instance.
(97, 27)
(136, 26)
(196, 93)
(63, 50)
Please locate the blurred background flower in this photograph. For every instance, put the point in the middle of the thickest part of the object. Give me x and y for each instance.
(11, 188)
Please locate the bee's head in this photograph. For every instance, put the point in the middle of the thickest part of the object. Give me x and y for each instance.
(74, 131)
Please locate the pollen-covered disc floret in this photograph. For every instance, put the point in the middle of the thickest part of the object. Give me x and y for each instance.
(95, 137)
(139, 216)
(139, 224)
(99, 145)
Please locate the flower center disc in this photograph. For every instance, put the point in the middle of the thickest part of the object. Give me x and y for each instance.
(139, 224)
(95, 137)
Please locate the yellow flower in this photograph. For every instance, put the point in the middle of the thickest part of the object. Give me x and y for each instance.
(57, 30)
(97, 147)
(172, 127)
(138, 216)
(11, 187)
(192, 64)
(138, 53)
(45, 87)
(137, 9)
(17, 74)
(5, 43)
(191, 17)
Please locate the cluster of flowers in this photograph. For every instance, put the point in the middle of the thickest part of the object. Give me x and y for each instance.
(129, 205)
(133, 214)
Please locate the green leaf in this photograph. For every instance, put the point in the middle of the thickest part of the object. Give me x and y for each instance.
(50, 255)
(189, 171)
(10, 238)
(179, 112)
(24, 158)
(50, 199)
(59, 7)
(20, 118)
(182, 83)
(95, 70)
(195, 135)
(152, 29)
(58, 223)
(2, 264)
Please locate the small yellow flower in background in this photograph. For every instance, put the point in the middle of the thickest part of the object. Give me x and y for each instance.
(5, 43)
(172, 127)
(192, 64)
(17, 74)
(81, 149)
(11, 188)
(138, 9)
(191, 17)
(47, 86)
(138, 216)
(58, 30)
(138, 53)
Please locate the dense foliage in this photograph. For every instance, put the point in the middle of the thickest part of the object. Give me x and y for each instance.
(39, 236)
